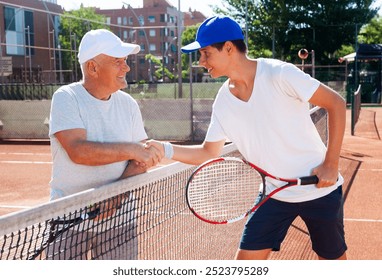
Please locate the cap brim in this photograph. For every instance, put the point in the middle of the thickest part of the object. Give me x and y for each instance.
(191, 47)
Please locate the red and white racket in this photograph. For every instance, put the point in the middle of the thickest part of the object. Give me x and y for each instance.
(224, 190)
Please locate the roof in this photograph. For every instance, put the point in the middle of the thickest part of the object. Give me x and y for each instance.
(369, 51)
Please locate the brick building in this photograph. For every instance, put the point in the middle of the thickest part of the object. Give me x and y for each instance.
(28, 35)
(30, 49)
(154, 27)
(193, 17)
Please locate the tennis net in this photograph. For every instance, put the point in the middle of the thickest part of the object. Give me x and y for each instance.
(142, 217)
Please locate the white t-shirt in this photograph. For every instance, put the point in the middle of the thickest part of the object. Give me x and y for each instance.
(273, 129)
(115, 120)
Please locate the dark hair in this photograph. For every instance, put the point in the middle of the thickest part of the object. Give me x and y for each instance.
(239, 44)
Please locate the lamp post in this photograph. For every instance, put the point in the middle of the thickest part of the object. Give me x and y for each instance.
(246, 22)
(179, 22)
(144, 32)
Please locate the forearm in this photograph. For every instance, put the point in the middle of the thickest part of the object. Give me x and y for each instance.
(336, 129)
(132, 169)
(335, 106)
(96, 153)
(195, 154)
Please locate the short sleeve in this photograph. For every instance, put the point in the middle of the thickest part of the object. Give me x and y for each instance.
(64, 112)
(297, 83)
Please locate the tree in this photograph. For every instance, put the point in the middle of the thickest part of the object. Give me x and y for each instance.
(188, 36)
(74, 25)
(285, 26)
(161, 71)
(371, 32)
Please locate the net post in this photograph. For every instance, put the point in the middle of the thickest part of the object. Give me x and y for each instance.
(355, 107)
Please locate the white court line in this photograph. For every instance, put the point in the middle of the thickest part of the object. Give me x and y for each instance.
(363, 220)
(25, 162)
(24, 154)
(15, 207)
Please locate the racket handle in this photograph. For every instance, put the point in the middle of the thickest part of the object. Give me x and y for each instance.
(308, 180)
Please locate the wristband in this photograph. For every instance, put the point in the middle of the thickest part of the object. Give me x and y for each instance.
(168, 150)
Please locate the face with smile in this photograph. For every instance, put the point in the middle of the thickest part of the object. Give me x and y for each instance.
(111, 72)
(214, 60)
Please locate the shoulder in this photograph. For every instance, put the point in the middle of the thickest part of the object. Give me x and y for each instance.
(66, 93)
(280, 70)
(124, 96)
(125, 99)
(69, 90)
(275, 64)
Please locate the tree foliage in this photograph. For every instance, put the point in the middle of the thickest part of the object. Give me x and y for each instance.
(74, 25)
(161, 70)
(282, 27)
(371, 33)
(188, 36)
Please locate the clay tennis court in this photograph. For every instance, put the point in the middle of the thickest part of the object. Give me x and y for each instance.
(25, 172)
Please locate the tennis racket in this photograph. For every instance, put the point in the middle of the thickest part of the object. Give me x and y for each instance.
(227, 189)
(58, 226)
(98, 213)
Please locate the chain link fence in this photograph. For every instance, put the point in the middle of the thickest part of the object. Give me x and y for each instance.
(24, 110)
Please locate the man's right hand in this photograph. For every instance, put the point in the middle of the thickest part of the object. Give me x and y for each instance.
(148, 155)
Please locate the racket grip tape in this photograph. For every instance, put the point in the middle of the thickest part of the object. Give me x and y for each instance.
(308, 180)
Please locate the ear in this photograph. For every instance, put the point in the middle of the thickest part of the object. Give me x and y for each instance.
(229, 47)
(91, 67)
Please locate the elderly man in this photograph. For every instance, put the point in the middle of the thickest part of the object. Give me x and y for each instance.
(96, 129)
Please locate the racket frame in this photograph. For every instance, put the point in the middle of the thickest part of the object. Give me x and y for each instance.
(307, 180)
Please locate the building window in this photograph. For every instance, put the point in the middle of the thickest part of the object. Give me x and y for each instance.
(141, 20)
(124, 20)
(125, 34)
(131, 21)
(151, 19)
(108, 20)
(119, 20)
(143, 48)
(29, 31)
(19, 31)
(152, 32)
(164, 32)
(153, 47)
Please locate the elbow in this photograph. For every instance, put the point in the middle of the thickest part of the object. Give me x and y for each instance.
(76, 158)
(78, 155)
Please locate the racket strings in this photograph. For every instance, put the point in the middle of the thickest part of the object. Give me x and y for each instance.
(224, 190)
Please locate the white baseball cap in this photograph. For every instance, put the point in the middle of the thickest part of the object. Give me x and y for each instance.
(102, 41)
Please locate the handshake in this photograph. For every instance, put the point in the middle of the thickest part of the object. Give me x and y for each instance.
(146, 155)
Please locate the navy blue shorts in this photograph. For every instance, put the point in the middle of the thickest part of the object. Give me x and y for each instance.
(267, 227)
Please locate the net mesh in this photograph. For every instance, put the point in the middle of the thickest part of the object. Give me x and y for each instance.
(142, 217)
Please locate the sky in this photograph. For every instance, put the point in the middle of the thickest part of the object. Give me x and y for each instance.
(199, 5)
(378, 3)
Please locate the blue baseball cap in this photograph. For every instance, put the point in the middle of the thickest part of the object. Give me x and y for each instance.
(216, 29)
